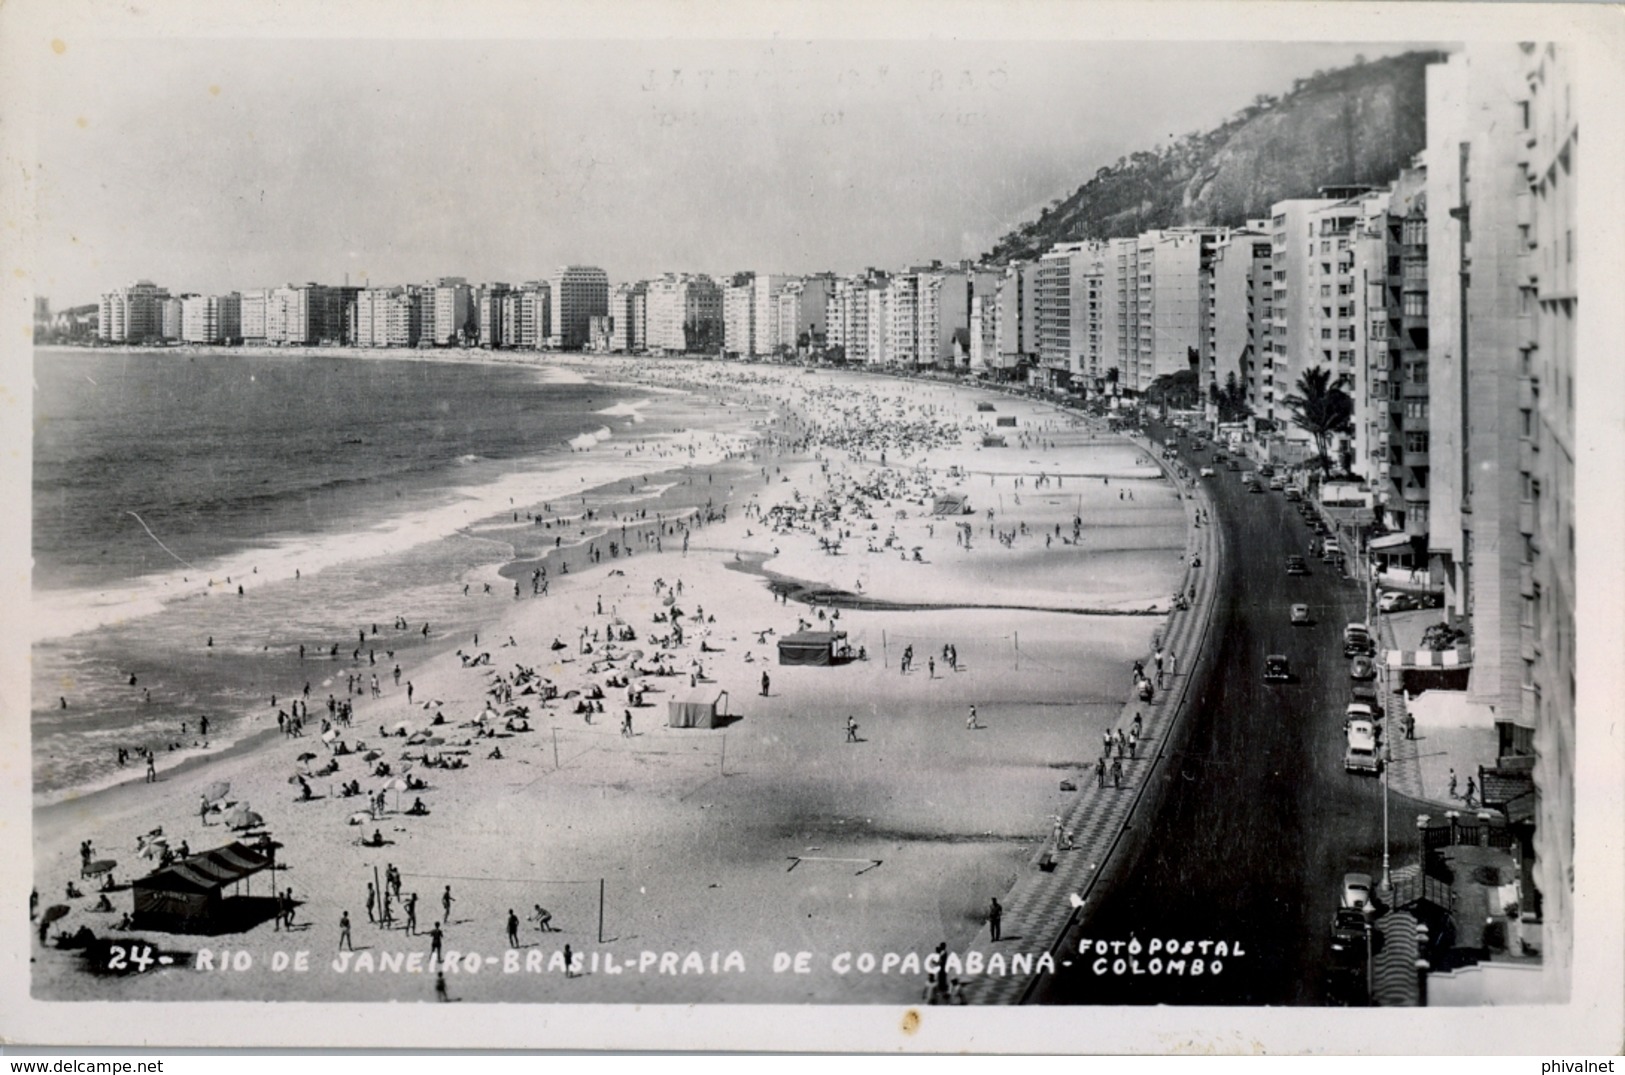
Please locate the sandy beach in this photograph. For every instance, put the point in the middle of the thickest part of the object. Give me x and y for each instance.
(678, 863)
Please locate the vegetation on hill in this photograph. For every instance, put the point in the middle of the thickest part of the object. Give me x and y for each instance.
(1358, 124)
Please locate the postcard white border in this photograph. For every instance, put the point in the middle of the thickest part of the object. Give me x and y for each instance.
(1591, 1023)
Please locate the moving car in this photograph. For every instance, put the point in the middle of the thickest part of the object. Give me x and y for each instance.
(1277, 669)
(1293, 494)
(1362, 667)
(1360, 751)
(1330, 551)
(1232, 465)
(1356, 891)
(1296, 566)
(1206, 472)
(1357, 640)
(1255, 486)
(1276, 485)
(1300, 615)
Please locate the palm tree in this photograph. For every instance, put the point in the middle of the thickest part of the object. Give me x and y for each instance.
(1321, 407)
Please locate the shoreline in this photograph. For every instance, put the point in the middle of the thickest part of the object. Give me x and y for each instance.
(645, 811)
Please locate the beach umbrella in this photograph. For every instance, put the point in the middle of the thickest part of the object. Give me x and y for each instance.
(372, 755)
(217, 790)
(398, 785)
(307, 756)
(97, 868)
(402, 726)
(330, 735)
(434, 741)
(244, 818)
(54, 912)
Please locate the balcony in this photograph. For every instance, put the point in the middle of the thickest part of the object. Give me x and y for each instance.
(1411, 423)
(1413, 459)
(1526, 456)
(1415, 494)
(1526, 517)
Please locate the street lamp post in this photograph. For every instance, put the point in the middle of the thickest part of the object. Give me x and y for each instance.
(1385, 888)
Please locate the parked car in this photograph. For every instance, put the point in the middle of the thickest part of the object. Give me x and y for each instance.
(1349, 930)
(1206, 472)
(1293, 494)
(1232, 465)
(1276, 485)
(1356, 892)
(1399, 601)
(1366, 694)
(1362, 667)
(1300, 616)
(1357, 640)
(1361, 711)
(1360, 750)
(1295, 565)
(1277, 669)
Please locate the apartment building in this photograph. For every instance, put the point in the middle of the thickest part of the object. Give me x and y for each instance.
(132, 314)
(386, 317)
(1016, 315)
(1236, 334)
(684, 313)
(488, 302)
(1059, 304)
(629, 309)
(577, 294)
(1393, 255)
(535, 324)
(211, 318)
(739, 315)
(1548, 304)
(944, 317)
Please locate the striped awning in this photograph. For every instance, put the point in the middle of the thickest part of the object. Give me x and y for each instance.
(208, 870)
(1459, 657)
(1393, 972)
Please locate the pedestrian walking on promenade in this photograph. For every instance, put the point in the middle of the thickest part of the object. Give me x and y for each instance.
(995, 916)
(1100, 772)
(1471, 792)
(851, 729)
(1172, 662)
(344, 932)
(1133, 746)
(1134, 729)
(1452, 783)
(1117, 772)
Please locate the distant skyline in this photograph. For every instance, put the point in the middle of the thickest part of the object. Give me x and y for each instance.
(218, 165)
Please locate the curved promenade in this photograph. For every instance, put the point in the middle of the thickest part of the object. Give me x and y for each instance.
(1108, 824)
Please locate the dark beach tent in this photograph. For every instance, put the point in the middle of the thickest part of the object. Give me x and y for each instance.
(951, 504)
(992, 440)
(809, 647)
(984, 406)
(697, 709)
(1005, 420)
(188, 897)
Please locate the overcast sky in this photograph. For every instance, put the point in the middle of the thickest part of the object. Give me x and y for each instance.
(213, 165)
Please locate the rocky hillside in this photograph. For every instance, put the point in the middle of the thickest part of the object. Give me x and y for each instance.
(1358, 124)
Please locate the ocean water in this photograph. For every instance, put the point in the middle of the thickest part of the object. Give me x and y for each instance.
(337, 492)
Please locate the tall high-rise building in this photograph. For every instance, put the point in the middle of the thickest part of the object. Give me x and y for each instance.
(132, 314)
(578, 294)
(684, 313)
(490, 301)
(629, 308)
(211, 318)
(255, 303)
(739, 315)
(1549, 157)
(386, 317)
(1237, 335)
